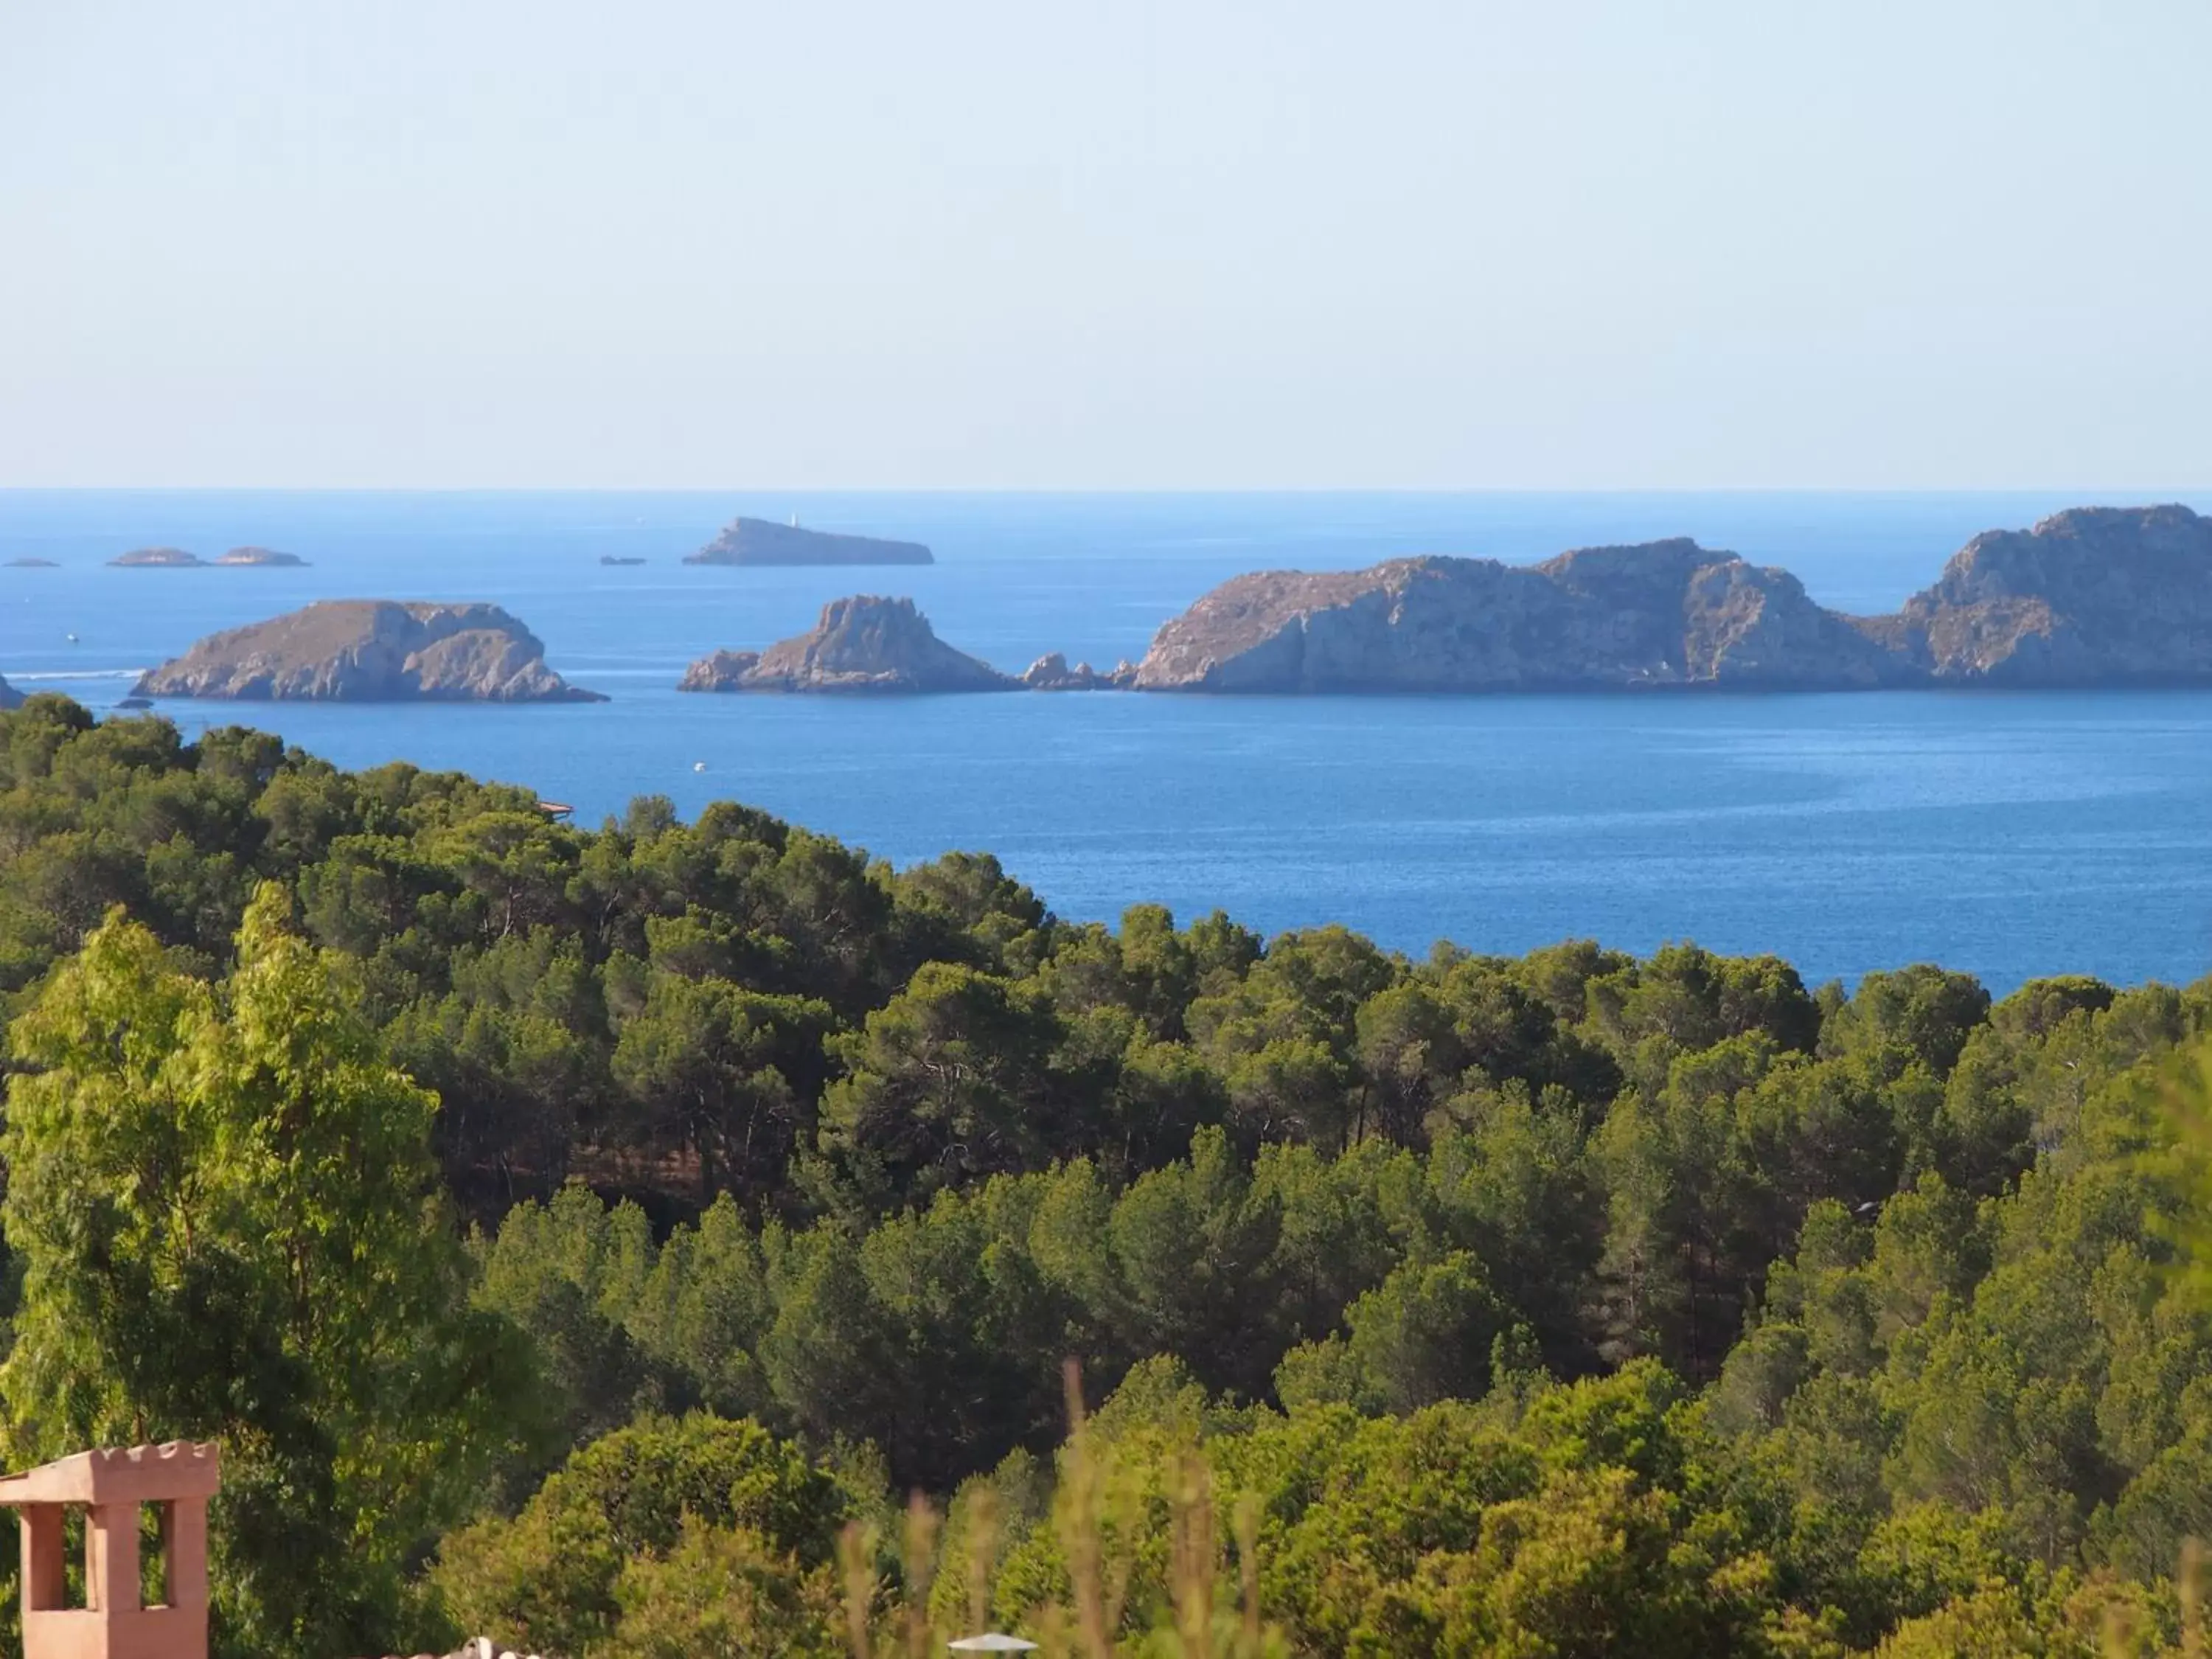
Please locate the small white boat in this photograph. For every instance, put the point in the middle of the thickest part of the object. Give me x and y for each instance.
(698, 766)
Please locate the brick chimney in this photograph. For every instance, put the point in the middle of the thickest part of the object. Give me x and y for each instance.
(178, 1479)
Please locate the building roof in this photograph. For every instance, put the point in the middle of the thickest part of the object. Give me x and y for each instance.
(133, 1474)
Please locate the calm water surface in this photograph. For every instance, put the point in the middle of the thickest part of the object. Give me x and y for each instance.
(2010, 834)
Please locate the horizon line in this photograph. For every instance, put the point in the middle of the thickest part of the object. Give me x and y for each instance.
(2168, 490)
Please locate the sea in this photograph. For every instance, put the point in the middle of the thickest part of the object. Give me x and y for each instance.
(2010, 834)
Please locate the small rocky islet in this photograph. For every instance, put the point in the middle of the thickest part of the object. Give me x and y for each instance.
(871, 644)
(1050, 673)
(177, 558)
(763, 541)
(862, 644)
(370, 651)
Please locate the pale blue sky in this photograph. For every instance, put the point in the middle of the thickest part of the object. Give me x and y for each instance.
(1182, 244)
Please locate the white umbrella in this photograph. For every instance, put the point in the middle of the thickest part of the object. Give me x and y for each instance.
(994, 1643)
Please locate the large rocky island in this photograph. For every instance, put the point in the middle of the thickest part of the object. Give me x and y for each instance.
(370, 651)
(762, 541)
(2095, 596)
(864, 644)
(2091, 597)
(263, 557)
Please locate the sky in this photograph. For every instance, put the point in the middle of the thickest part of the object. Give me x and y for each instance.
(1071, 244)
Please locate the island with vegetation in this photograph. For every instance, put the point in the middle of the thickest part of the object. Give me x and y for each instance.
(370, 651)
(668, 1239)
(2091, 597)
(31, 563)
(265, 556)
(763, 541)
(862, 644)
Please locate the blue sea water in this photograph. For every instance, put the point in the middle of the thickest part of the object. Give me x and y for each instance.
(2007, 834)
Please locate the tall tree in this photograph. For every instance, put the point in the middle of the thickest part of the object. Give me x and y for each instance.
(223, 1201)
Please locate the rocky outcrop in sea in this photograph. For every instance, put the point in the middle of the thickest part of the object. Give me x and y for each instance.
(862, 644)
(763, 541)
(1660, 614)
(2091, 597)
(1050, 673)
(370, 651)
(2094, 596)
(158, 558)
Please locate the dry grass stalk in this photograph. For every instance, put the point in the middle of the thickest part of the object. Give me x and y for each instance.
(1192, 1559)
(2189, 1584)
(982, 1550)
(1051, 1633)
(1248, 1572)
(856, 1550)
(920, 1560)
(1080, 1531)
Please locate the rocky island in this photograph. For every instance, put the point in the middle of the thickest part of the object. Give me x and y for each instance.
(2093, 596)
(176, 558)
(370, 651)
(33, 564)
(862, 644)
(760, 541)
(1664, 613)
(1050, 673)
